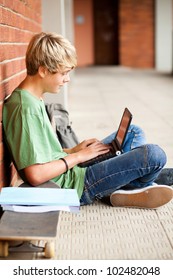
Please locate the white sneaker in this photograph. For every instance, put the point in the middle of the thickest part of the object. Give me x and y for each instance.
(148, 197)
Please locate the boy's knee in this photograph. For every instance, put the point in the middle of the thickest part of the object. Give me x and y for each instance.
(156, 154)
(136, 129)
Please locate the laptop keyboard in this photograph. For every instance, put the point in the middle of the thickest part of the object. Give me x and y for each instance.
(99, 158)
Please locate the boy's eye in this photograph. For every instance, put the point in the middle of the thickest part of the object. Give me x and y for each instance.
(65, 73)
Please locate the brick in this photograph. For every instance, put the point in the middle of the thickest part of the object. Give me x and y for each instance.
(13, 35)
(10, 51)
(16, 20)
(8, 86)
(1, 127)
(19, 19)
(11, 68)
(32, 12)
(1, 151)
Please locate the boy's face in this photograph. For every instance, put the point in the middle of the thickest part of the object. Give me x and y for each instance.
(54, 82)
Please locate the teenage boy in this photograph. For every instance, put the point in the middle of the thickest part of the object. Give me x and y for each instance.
(39, 157)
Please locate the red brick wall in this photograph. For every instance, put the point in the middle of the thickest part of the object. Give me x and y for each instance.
(136, 31)
(19, 20)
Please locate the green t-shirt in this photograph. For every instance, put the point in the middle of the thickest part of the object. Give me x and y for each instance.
(31, 139)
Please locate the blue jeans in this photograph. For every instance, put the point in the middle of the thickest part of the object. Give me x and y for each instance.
(138, 166)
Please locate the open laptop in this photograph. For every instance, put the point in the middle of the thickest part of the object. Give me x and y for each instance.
(117, 143)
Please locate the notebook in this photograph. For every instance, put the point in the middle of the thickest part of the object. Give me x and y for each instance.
(117, 143)
(39, 200)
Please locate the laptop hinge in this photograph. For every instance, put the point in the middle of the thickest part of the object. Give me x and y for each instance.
(116, 145)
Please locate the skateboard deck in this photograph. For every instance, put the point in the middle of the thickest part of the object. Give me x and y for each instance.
(28, 227)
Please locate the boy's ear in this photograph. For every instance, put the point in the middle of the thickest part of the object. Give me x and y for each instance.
(42, 71)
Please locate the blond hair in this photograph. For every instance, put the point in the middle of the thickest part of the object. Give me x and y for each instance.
(50, 50)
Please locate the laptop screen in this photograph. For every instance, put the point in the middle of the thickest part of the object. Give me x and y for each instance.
(123, 127)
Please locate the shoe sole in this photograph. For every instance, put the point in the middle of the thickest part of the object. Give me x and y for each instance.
(150, 197)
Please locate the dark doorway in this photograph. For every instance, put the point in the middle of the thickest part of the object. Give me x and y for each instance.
(106, 32)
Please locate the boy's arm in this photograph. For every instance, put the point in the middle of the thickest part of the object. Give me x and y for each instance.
(37, 174)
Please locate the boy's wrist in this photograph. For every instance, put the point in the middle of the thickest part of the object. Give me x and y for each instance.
(68, 151)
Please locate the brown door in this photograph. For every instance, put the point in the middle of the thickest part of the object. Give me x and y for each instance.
(106, 32)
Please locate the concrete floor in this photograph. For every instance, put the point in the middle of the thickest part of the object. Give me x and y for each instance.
(97, 99)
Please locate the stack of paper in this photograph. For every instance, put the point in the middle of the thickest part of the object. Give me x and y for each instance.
(37, 200)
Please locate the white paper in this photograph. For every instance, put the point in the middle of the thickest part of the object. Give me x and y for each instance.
(39, 209)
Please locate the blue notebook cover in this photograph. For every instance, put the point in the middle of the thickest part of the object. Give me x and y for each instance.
(39, 196)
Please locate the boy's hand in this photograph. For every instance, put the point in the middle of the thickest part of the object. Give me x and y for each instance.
(83, 145)
(91, 148)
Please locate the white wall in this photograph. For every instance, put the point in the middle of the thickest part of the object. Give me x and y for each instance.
(163, 33)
